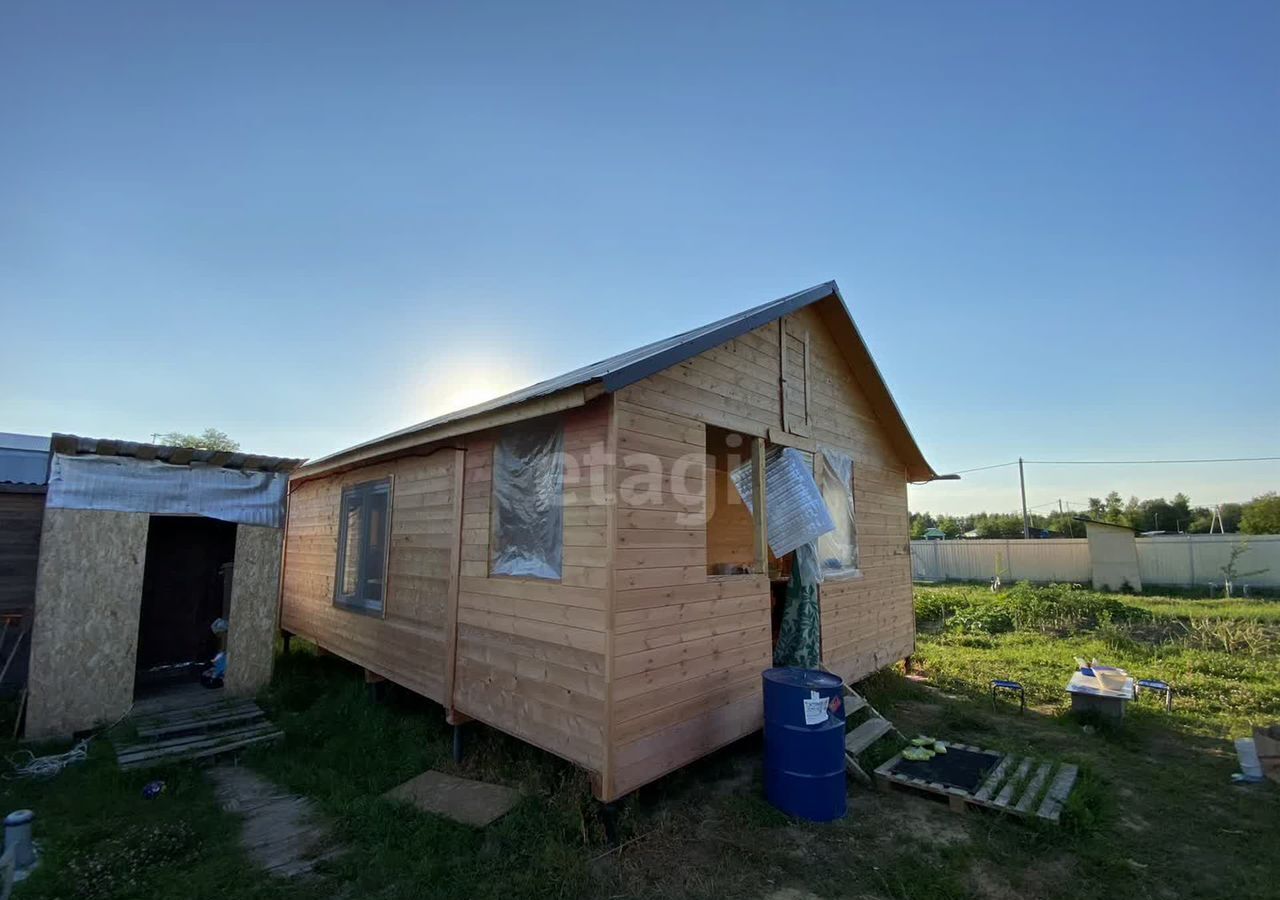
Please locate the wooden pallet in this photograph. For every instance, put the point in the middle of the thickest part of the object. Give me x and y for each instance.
(196, 733)
(1013, 785)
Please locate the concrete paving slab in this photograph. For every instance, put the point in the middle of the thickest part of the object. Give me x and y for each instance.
(460, 799)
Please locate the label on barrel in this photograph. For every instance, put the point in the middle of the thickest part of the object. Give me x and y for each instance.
(815, 709)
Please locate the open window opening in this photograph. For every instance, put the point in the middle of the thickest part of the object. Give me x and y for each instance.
(186, 587)
(364, 533)
(730, 526)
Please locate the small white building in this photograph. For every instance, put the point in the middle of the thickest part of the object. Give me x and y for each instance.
(1113, 552)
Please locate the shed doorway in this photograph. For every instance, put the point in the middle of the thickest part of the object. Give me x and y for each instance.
(186, 585)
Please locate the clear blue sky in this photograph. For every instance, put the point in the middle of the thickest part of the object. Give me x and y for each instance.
(1058, 225)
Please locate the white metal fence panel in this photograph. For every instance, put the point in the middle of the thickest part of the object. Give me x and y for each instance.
(1013, 560)
(1198, 559)
(1183, 560)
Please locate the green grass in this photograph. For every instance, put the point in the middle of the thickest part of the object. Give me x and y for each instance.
(1153, 816)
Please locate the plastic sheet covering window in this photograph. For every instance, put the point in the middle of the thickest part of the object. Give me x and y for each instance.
(528, 500)
(837, 549)
(794, 511)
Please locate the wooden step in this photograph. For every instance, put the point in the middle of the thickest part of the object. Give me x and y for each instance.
(198, 746)
(866, 734)
(208, 719)
(853, 702)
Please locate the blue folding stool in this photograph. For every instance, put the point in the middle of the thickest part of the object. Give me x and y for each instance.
(1000, 684)
(1160, 687)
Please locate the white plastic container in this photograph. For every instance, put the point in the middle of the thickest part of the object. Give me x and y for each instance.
(1109, 677)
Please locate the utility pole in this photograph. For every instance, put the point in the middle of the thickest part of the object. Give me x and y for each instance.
(1026, 520)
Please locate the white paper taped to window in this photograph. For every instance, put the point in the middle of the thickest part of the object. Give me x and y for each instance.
(794, 511)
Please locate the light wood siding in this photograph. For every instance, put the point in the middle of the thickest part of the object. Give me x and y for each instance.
(531, 653)
(407, 646)
(688, 648)
(867, 622)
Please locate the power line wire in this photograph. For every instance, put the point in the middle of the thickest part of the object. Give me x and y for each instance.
(1146, 462)
(984, 468)
(1118, 462)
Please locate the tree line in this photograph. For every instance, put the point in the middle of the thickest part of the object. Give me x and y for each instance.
(1261, 515)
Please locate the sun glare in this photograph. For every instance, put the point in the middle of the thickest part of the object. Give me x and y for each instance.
(461, 383)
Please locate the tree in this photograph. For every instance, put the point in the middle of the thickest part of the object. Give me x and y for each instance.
(209, 439)
(998, 525)
(1262, 515)
(920, 523)
(1110, 509)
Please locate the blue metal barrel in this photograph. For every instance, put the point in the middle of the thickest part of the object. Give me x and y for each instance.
(804, 743)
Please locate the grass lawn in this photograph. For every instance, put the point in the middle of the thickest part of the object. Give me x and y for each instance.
(1154, 816)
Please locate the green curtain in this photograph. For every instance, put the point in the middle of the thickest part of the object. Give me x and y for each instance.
(800, 636)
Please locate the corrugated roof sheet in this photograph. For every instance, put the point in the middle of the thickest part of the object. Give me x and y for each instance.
(75, 445)
(24, 459)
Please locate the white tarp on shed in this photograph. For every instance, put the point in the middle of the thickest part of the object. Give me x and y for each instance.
(134, 485)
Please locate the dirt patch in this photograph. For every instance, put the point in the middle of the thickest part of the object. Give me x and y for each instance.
(932, 823)
(989, 884)
(1037, 878)
(1044, 877)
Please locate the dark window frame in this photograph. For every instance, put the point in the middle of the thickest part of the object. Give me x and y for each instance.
(360, 600)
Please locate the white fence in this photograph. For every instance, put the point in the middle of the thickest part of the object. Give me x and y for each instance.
(1178, 559)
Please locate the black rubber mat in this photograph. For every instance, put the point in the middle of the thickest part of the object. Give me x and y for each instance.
(963, 769)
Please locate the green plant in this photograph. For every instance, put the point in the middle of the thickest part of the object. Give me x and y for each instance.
(1230, 574)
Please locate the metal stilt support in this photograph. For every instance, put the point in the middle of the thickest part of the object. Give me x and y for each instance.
(609, 819)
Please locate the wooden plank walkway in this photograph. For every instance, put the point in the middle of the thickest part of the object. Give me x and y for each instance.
(1014, 785)
(281, 832)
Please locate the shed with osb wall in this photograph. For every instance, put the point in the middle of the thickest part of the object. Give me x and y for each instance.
(143, 548)
(600, 564)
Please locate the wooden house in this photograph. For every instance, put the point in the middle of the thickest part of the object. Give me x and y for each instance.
(615, 607)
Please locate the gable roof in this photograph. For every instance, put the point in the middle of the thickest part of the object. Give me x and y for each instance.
(616, 372)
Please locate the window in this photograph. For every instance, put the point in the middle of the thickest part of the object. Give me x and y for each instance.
(528, 501)
(838, 549)
(364, 526)
(730, 527)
